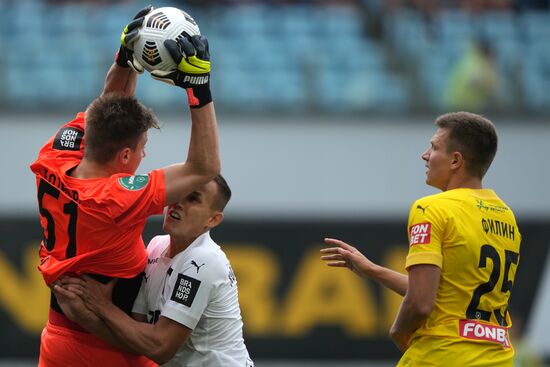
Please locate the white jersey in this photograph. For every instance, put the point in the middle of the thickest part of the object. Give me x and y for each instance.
(196, 288)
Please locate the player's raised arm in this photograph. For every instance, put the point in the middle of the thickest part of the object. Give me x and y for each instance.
(344, 255)
(192, 56)
(122, 76)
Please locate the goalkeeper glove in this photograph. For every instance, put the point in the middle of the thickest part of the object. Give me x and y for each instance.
(125, 55)
(192, 58)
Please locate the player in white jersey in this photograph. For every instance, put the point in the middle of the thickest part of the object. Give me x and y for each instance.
(187, 311)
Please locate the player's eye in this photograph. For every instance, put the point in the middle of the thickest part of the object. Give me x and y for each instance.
(194, 198)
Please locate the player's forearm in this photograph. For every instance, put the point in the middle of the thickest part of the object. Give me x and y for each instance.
(409, 318)
(419, 302)
(120, 80)
(138, 337)
(203, 158)
(100, 329)
(204, 150)
(391, 279)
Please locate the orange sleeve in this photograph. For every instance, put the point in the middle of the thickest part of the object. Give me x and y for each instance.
(133, 198)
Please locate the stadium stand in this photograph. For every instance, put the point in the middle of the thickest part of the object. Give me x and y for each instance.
(295, 57)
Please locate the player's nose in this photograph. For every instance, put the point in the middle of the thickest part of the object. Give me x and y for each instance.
(426, 155)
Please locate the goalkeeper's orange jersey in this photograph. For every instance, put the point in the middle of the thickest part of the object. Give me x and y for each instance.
(91, 225)
(473, 237)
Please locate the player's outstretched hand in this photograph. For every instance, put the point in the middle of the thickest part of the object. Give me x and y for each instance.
(192, 57)
(125, 55)
(340, 254)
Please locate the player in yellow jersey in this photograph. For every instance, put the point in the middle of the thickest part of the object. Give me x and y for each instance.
(463, 256)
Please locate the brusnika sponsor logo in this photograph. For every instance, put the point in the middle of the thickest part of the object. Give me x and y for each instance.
(488, 207)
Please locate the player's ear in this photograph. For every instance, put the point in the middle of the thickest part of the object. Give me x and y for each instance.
(457, 160)
(124, 155)
(215, 220)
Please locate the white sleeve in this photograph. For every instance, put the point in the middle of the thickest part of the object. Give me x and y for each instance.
(140, 304)
(190, 293)
(153, 249)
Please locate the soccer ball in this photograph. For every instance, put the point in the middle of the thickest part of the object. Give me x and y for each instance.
(159, 25)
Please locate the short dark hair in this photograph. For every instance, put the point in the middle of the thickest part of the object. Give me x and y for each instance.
(114, 122)
(472, 135)
(223, 195)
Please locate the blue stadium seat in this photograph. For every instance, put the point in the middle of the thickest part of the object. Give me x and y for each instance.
(292, 55)
(112, 19)
(242, 21)
(508, 54)
(67, 18)
(7, 16)
(283, 89)
(408, 33)
(238, 89)
(535, 76)
(343, 20)
(360, 91)
(499, 26)
(395, 95)
(157, 94)
(535, 87)
(292, 20)
(434, 77)
(536, 26)
(455, 25)
(27, 17)
(357, 58)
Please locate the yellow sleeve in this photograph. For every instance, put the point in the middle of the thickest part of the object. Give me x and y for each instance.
(426, 229)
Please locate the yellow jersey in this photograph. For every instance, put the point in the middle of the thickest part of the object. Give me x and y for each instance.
(472, 236)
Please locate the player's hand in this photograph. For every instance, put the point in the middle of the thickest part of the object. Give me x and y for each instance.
(400, 340)
(192, 57)
(96, 295)
(346, 256)
(125, 55)
(72, 304)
